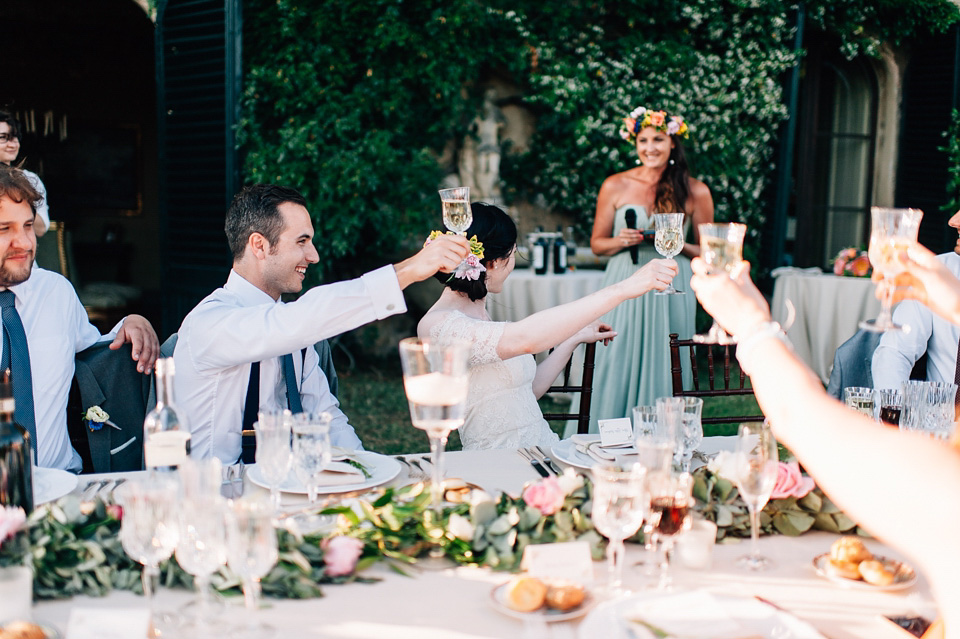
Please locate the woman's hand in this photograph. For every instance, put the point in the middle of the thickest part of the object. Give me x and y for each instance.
(654, 275)
(733, 301)
(595, 332)
(629, 237)
(925, 279)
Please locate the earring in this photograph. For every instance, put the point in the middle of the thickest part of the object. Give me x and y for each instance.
(671, 161)
(638, 161)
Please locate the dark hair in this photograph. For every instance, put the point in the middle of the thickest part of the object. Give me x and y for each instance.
(256, 209)
(498, 233)
(6, 116)
(673, 189)
(15, 185)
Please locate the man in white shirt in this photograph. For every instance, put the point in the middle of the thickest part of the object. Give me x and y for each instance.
(270, 235)
(54, 322)
(898, 351)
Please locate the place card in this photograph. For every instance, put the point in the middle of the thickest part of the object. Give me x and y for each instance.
(108, 623)
(566, 560)
(615, 432)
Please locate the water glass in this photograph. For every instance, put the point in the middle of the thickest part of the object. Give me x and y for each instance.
(274, 450)
(941, 409)
(913, 415)
(890, 401)
(251, 553)
(692, 434)
(201, 551)
(695, 547)
(654, 443)
(312, 451)
(859, 398)
(619, 502)
(670, 411)
(757, 463)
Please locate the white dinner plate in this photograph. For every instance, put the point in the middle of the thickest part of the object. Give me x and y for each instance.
(566, 451)
(498, 594)
(717, 616)
(51, 483)
(382, 469)
(904, 575)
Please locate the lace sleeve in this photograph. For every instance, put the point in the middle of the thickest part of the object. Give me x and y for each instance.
(484, 334)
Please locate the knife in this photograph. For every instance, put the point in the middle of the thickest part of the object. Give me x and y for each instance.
(537, 466)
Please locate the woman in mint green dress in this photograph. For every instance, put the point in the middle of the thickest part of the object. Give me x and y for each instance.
(635, 368)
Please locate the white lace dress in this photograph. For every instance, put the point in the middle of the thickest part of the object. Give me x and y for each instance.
(502, 411)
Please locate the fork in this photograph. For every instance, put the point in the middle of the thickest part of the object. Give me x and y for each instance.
(545, 459)
(537, 466)
(415, 470)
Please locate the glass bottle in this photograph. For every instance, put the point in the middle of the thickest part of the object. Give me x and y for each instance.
(166, 440)
(540, 247)
(16, 476)
(559, 253)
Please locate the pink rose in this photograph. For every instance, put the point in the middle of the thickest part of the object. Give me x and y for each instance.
(657, 118)
(860, 266)
(115, 511)
(673, 127)
(11, 521)
(791, 482)
(839, 265)
(341, 554)
(546, 496)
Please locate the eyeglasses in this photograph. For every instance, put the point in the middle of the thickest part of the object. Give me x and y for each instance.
(8, 137)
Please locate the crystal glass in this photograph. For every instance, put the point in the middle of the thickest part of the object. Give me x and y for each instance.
(457, 214)
(668, 241)
(692, 432)
(654, 439)
(251, 554)
(890, 401)
(274, 450)
(670, 411)
(312, 451)
(860, 399)
(671, 503)
(941, 409)
(201, 551)
(721, 247)
(914, 405)
(756, 464)
(149, 532)
(619, 504)
(892, 231)
(436, 379)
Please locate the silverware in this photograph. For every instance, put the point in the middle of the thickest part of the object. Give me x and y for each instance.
(414, 470)
(90, 490)
(537, 466)
(549, 463)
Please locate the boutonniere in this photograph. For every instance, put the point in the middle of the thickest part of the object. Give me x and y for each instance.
(95, 417)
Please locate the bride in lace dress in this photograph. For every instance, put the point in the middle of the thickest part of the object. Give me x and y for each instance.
(505, 380)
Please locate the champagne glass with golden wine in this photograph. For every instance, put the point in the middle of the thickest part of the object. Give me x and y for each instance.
(892, 232)
(457, 215)
(668, 241)
(721, 247)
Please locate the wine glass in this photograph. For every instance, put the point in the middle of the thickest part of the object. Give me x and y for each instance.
(670, 412)
(274, 451)
(671, 501)
(251, 553)
(435, 378)
(312, 451)
(654, 440)
(668, 241)
(149, 531)
(618, 511)
(201, 551)
(692, 433)
(457, 214)
(892, 232)
(721, 247)
(756, 463)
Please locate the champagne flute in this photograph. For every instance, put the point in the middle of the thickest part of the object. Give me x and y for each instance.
(457, 214)
(149, 531)
(618, 510)
(692, 430)
(756, 463)
(251, 553)
(671, 502)
(892, 232)
(435, 378)
(274, 451)
(312, 451)
(668, 241)
(721, 247)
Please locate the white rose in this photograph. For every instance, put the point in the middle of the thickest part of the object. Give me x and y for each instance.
(724, 464)
(460, 527)
(97, 414)
(570, 481)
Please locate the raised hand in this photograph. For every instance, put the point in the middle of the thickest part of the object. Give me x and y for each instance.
(733, 300)
(146, 347)
(443, 254)
(925, 279)
(654, 275)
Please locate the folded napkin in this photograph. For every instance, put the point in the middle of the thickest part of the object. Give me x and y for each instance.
(589, 440)
(689, 615)
(339, 473)
(596, 453)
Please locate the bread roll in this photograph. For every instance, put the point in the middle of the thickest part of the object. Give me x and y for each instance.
(564, 596)
(874, 572)
(525, 594)
(845, 569)
(849, 549)
(22, 630)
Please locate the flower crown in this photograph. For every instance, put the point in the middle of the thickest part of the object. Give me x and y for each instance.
(470, 268)
(642, 117)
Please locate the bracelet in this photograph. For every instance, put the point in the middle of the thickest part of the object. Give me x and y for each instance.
(747, 346)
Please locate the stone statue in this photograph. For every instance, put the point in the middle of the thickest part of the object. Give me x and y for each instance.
(480, 155)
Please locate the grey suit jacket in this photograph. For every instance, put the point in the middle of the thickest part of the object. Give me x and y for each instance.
(853, 362)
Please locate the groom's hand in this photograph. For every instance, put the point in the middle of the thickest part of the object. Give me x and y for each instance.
(443, 254)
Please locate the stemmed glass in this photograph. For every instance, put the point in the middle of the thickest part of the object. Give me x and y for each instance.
(670, 411)
(721, 247)
(892, 232)
(692, 430)
(668, 241)
(251, 553)
(655, 440)
(457, 214)
(756, 464)
(312, 451)
(671, 501)
(618, 509)
(435, 378)
(274, 453)
(149, 532)
(201, 551)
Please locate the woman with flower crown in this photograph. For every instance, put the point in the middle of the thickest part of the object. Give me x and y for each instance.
(505, 380)
(635, 369)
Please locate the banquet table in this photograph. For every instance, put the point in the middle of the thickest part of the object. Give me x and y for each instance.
(828, 309)
(524, 292)
(455, 603)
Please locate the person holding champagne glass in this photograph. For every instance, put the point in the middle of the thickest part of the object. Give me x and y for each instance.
(898, 485)
(505, 381)
(630, 372)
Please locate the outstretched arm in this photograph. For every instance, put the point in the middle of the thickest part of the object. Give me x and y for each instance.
(444, 254)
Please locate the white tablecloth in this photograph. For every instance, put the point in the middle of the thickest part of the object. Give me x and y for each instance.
(828, 309)
(524, 293)
(455, 603)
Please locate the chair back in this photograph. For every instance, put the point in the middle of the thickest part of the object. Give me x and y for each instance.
(585, 388)
(725, 378)
(53, 250)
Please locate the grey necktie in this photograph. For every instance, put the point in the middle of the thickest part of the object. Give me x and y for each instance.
(16, 357)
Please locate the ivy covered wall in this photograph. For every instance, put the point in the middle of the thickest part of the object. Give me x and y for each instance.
(356, 103)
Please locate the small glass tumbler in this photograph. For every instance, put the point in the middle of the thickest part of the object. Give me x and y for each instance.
(859, 398)
(890, 401)
(941, 409)
(914, 405)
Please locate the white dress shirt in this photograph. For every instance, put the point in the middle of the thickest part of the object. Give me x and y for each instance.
(240, 324)
(57, 328)
(43, 211)
(898, 351)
